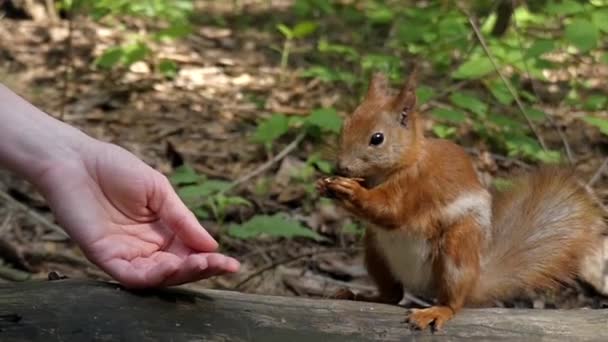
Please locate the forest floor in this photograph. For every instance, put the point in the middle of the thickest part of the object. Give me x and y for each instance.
(228, 79)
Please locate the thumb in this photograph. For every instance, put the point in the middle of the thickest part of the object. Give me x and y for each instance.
(174, 213)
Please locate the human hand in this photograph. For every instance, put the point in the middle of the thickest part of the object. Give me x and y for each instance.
(128, 220)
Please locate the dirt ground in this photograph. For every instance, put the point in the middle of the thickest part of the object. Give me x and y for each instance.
(204, 117)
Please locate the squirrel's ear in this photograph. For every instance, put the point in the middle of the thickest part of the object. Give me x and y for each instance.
(378, 86)
(405, 102)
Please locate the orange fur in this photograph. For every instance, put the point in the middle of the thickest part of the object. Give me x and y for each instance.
(430, 216)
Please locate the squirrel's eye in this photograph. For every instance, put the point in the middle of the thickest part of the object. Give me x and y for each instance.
(377, 139)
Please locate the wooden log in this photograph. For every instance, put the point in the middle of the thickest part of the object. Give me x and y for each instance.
(76, 310)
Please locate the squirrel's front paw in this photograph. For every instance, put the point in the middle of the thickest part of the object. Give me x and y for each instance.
(322, 187)
(343, 188)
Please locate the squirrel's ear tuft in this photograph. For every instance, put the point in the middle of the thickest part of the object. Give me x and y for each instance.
(378, 86)
(405, 102)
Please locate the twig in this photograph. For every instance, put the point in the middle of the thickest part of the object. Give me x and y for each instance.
(598, 173)
(594, 197)
(289, 260)
(12, 254)
(505, 81)
(500, 157)
(12, 274)
(287, 150)
(31, 213)
(37, 255)
(564, 140)
(5, 227)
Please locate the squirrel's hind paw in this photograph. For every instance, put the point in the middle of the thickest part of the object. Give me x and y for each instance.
(344, 294)
(435, 315)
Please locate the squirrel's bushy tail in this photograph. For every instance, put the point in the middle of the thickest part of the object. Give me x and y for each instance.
(542, 227)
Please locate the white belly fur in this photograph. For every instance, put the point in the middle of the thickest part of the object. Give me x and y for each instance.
(408, 259)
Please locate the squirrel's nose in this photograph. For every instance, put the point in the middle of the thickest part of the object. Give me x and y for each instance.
(343, 170)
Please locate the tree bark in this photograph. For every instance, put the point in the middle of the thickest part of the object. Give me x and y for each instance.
(74, 310)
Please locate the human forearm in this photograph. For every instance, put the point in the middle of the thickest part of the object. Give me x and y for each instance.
(32, 141)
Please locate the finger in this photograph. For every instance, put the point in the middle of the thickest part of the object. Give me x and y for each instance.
(174, 213)
(141, 272)
(202, 266)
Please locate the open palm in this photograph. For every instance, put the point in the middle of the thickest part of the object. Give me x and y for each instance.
(128, 220)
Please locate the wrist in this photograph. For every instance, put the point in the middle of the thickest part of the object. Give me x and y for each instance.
(32, 142)
(66, 147)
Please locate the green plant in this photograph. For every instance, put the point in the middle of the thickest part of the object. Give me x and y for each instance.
(600, 123)
(299, 31)
(353, 229)
(319, 121)
(205, 197)
(172, 18)
(277, 225)
(384, 37)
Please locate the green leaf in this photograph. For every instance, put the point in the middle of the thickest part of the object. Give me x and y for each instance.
(184, 174)
(327, 119)
(535, 114)
(271, 129)
(599, 17)
(600, 123)
(201, 213)
(582, 34)
(110, 57)
(304, 29)
(596, 102)
(378, 13)
(502, 184)
(450, 115)
(353, 229)
(384, 63)
(500, 92)
(424, 93)
(278, 225)
(203, 190)
(176, 30)
(135, 52)
(505, 123)
(549, 157)
(226, 201)
(564, 7)
(539, 48)
(469, 102)
(412, 30)
(327, 47)
(323, 165)
(286, 31)
(168, 68)
(443, 131)
(452, 26)
(519, 144)
(474, 68)
(329, 75)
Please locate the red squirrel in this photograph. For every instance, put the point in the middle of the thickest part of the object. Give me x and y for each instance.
(434, 230)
